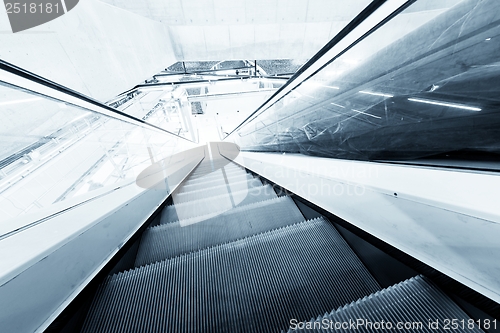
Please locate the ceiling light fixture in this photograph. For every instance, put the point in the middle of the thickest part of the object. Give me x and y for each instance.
(332, 87)
(340, 106)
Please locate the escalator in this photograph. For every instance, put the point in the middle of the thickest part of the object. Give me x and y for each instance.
(230, 255)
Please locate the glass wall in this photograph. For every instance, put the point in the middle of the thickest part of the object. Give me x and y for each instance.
(53, 152)
(423, 86)
(165, 107)
(177, 107)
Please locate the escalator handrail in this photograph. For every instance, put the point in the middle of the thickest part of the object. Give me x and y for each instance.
(105, 109)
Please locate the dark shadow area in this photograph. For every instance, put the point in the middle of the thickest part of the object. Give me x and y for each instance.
(386, 270)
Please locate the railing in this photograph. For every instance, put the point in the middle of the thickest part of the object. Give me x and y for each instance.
(60, 148)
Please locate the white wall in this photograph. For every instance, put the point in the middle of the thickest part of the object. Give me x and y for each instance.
(96, 49)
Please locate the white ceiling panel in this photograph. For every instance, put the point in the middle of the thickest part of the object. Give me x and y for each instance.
(292, 33)
(319, 11)
(137, 7)
(261, 11)
(291, 11)
(157, 9)
(229, 11)
(174, 12)
(217, 37)
(193, 15)
(194, 37)
(267, 33)
(241, 35)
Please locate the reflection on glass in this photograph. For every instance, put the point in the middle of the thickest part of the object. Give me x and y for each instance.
(174, 107)
(51, 152)
(424, 85)
(165, 107)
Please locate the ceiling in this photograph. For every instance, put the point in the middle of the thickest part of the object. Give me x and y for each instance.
(247, 29)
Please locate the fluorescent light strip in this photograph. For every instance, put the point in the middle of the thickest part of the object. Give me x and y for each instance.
(340, 106)
(21, 101)
(368, 114)
(376, 94)
(451, 105)
(331, 87)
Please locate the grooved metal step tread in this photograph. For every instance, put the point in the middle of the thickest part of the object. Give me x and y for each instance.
(208, 167)
(262, 204)
(248, 178)
(221, 202)
(215, 190)
(256, 284)
(238, 175)
(415, 302)
(227, 167)
(214, 175)
(172, 239)
(214, 182)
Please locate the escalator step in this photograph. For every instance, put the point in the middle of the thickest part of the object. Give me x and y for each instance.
(213, 191)
(415, 302)
(214, 165)
(173, 239)
(187, 189)
(192, 179)
(256, 284)
(206, 173)
(214, 182)
(294, 212)
(204, 168)
(219, 203)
